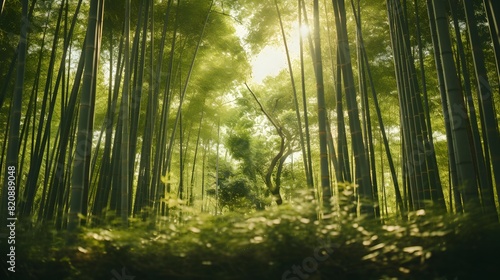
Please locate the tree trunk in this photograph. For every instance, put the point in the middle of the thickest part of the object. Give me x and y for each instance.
(460, 127)
(274, 189)
(11, 177)
(362, 165)
(309, 173)
(320, 92)
(80, 176)
(487, 111)
(125, 119)
(492, 8)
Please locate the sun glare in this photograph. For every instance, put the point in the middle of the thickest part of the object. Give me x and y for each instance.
(272, 59)
(304, 30)
(269, 62)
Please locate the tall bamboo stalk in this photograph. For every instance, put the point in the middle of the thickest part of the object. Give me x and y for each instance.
(460, 126)
(294, 91)
(362, 167)
(485, 97)
(80, 176)
(125, 118)
(320, 92)
(11, 175)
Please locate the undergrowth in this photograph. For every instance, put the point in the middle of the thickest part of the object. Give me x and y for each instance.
(280, 243)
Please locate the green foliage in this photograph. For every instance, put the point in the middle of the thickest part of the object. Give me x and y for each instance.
(241, 243)
(10, 24)
(236, 193)
(242, 147)
(239, 146)
(261, 20)
(264, 245)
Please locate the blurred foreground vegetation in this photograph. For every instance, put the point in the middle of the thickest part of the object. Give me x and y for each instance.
(288, 242)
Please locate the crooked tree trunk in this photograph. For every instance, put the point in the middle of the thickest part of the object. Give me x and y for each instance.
(274, 189)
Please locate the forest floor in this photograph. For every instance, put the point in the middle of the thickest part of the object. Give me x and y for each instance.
(275, 244)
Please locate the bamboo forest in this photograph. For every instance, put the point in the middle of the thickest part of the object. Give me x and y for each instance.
(249, 139)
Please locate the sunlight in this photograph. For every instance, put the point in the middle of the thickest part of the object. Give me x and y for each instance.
(304, 30)
(272, 59)
(269, 62)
